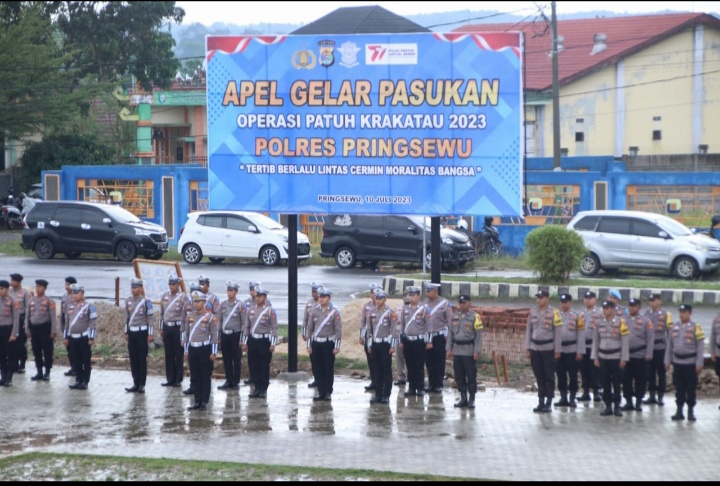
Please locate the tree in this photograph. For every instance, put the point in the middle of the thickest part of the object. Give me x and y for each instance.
(553, 252)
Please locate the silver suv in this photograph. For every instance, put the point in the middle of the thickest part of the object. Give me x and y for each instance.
(636, 239)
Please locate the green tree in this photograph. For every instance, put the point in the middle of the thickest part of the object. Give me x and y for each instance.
(553, 252)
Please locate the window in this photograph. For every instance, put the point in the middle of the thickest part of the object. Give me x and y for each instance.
(657, 134)
(588, 223)
(609, 224)
(68, 215)
(211, 221)
(645, 228)
(398, 224)
(93, 217)
(239, 224)
(579, 136)
(370, 222)
(42, 211)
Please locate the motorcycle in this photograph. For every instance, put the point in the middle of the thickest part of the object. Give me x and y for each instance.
(487, 240)
(16, 209)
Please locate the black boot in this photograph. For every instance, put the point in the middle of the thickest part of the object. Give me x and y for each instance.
(651, 400)
(629, 405)
(69, 372)
(462, 403)
(679, 414)
(691, 414)
(597, 396)
(660, 400)
(376, 399)
(638, 404)
(548, 405)
(563, 400)
(585, 396)
(38, 376)
(617, 411)
(471, 400)
(46, 376)
(541, 405)
(608, 410)
(572, 403)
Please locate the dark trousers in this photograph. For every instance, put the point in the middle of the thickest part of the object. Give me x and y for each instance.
(80, 354)
(173, 354)
(42, 345)
(382, 362)
(201, 372)
(138, 351)
(323, 361)
(465, 369)
(232, 356)
(543, 365)
(259, 354)
(589, 372)
(611, 376)
(685, 380)
(435, 362)
(21, 346)
(8, 356)
(567, 370)
(635, 377)
(658, 373)
(414, 352)
(371, 368)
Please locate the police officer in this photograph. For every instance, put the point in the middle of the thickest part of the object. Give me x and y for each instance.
(42, 328)
(250, 301)
(212, 300)
(260, 338)
(365, 334)
(440, 312)
(686, 346)
(571, 353)
(139, 331)
(641, 352)
(614, 296)
(199, 338)
(231, 321)
(543, 343)
(309, 306)
(23, 297)
(610, 352)
(715, 343)
(173, 309)
(590, 373)
(66, 300)
(413, 338)
(189, 309)
(79, 336)
(383, 336)
(463, 347)
(324, 333)
(9, 326)
(662, 321)
(400, 365)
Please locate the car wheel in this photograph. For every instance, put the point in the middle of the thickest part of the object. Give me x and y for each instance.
(216, 260)
(192, 254)
(685, 268)
(493, 248)
(154, 256)
(345, 258)
(269, 256)
(44, 249)
(589, 265)
(125, 251)
(72, 255)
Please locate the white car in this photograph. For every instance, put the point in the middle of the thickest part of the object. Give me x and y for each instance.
(237, 234)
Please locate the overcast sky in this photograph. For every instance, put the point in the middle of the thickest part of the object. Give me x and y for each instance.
(243, 13)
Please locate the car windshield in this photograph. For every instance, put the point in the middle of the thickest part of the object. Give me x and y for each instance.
(420, 221)
(120, 214)
(266, 223)
(675, 228)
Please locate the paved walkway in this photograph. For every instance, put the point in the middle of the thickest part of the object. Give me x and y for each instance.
(500, 439)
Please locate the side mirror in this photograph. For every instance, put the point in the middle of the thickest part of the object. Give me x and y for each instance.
(253, 229)
(107, 221)
(412, 229)
(664, 234)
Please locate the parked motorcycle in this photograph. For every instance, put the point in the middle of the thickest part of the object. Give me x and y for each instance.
(16, 209)
(487, 240)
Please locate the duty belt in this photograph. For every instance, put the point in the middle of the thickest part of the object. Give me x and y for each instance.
(685, 356)
(641, 348)
(79, 335)
(660, 341)
(438, 333)
(230, 331)
(39, 323)
(172, 323)
(197, 345)
(323, 339)
(138, 328)
(609, 351)
(468, 341)
(414, 338)
(381, 340)
(541, 342)
(569, 343)
(588, 343)
(260, 336)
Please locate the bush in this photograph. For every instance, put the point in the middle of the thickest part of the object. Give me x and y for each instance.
(553, 252)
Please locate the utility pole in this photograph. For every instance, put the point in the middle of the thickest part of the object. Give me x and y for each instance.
(555, 89)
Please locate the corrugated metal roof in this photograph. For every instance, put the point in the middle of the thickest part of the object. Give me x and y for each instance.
(360, 20)
(624, 36)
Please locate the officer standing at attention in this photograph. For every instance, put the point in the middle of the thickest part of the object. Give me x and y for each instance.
(22, 296)
(309, 306)
(463, 347)
(9, 325)
(42, 328)
(365, 335)
(440, 312)
(685, 351)
(413, 336)
(662, 321)
(232, 320)
(189, 309)
(590, 373)
(641, 352)
(382, 327)
(571, 353)
(80, 336)
(260, 338)
(324, 333)
(66, 300)
(610, 352)
(715, 343)
(614, 296)
(250, 301)
(139, 331)
(200, 341)
(173, 307)
(400, 364)
(212, 300)
(543, 342)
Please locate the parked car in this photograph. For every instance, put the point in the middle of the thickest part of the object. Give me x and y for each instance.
(35, 191)
(369, 239)
(636, 239)
(237, 234)
(74, 227)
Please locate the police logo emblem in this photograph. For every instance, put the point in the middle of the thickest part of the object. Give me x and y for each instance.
(303, 59)
(327, 54)
(348, 50)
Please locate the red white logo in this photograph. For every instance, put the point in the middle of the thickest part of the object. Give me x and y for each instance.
(385, 54)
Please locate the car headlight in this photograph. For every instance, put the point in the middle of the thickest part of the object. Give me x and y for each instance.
(142, 232)
(284, 238)
(447, 241)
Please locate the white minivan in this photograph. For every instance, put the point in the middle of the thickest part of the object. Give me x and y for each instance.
(637, 239)
(237, 234)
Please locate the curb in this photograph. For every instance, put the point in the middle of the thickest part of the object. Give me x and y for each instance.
(395, 285)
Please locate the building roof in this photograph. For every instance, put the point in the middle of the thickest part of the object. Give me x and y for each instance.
(624, 36)
(360, 20)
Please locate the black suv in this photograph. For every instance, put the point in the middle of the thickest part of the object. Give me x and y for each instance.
(72, 227)
(368, 239)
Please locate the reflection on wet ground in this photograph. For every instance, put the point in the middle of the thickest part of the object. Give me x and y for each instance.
(500, 439)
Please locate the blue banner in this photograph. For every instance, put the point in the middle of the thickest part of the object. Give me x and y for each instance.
(426, 124)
